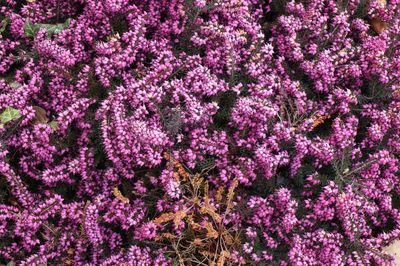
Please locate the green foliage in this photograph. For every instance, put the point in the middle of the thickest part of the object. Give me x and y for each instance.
(31, 29)
(4, 24)
(361, 11)
(226, 101)
(302, 173)
(11, 263)
(53, 125)
(9, 114)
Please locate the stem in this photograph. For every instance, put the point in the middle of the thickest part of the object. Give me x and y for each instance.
(58, 10)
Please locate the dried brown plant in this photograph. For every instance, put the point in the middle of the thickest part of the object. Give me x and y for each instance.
(205, 239)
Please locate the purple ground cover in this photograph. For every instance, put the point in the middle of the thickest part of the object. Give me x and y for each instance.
(206, 132)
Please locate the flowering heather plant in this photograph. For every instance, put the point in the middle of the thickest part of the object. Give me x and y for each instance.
(199, 132)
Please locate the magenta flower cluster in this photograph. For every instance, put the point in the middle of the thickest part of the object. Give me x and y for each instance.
(297, 100)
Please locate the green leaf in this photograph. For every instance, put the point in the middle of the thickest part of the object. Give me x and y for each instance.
(9, 114)
(11, 263)
(53, 125)
(52, 29)
(4, 23)
(30, 29)
(67, 23)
